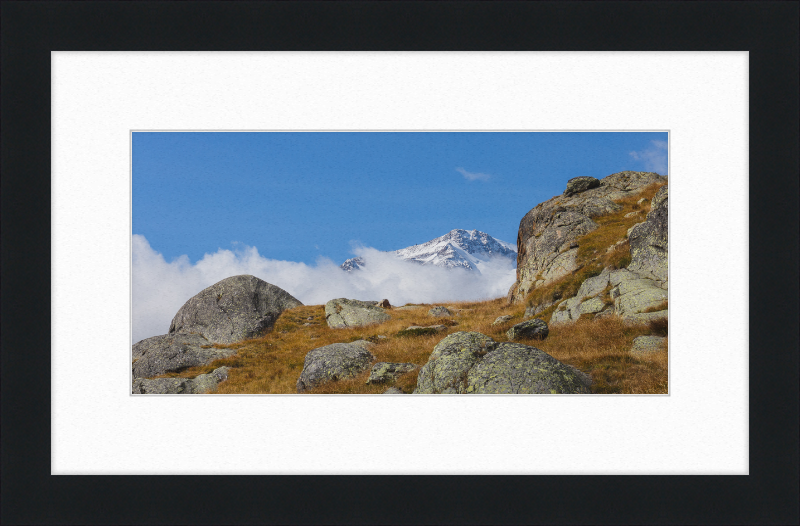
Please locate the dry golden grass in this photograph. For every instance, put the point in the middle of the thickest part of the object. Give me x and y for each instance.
(273, 363)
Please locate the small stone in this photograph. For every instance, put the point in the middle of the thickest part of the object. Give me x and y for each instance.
(644, 345)
(532, 329)
(502, 319)
(439, 312)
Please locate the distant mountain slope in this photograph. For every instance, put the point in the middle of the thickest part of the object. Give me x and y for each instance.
(457, 249)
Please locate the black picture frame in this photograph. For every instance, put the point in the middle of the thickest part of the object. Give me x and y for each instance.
(768, 30)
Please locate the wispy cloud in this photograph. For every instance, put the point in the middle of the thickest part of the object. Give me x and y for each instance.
(654, 157)
(161, 288)
(473, 176)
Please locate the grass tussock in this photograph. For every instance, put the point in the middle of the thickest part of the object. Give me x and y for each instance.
(272, 363)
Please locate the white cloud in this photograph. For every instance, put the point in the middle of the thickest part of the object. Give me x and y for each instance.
(161, 288)
(470, 176)
(654, 157)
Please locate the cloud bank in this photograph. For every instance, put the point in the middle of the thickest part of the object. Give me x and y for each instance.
(471, 176)
(160, 288)
(654, 157)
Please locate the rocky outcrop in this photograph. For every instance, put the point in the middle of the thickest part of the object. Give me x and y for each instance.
(232, 310)
(384, 372)
(197, 385)
(547, 245)
(621, 292)
(341, 313)
(471, 362)
(577, 185)
(439, 312)
(644, 345)
(534, 329)
(334, 362)
(649, 240)
(173, 352)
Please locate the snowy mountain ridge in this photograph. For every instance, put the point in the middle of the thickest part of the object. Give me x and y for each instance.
(467, 249)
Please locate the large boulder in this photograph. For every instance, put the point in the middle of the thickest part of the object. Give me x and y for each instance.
(471, 362)
(341, 313)
(197, 385)
(634, 294)
(334, 362)
(383, 372)
(513, 368)
(173, 352)
(649, 240)
(534, 329)
(234, 309)
(450, 361)
(547, 246)
(577, 185)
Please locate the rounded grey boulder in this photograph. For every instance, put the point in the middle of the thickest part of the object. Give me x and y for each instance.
(334, 362)
(514, 368)
(341, 313)
(451, 359)
(534, 329)
(577, 185)
(439, 312)
(502, 319)
(232, 310)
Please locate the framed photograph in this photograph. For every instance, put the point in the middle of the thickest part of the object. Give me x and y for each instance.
(80, 81)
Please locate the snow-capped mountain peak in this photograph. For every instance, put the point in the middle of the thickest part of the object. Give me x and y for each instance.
(467, 249)
(458, 248)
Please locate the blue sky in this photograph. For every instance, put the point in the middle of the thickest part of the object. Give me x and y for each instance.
(289, 208)
(299, 196)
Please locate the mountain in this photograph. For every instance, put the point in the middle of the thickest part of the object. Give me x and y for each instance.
(456, 249)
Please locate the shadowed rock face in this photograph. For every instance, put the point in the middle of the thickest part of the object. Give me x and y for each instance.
(577, 185)
(547, 245)
(534, 329)
(334, 362)
(342, 312)
(232, 310)
(649, 240)
(471, 362)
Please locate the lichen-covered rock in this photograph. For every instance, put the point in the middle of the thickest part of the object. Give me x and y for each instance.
(534, 329)
(644, 345)
(547, 245)
(502, 319)
(173, 352)
(197, 385)
(649, 240)
(341, 313)
(450, 361)
(334, 362)
(513, 368)
(383, 372)
(439, 312)
(587, 300)
(577, 185)
(232, 310)
(634, 294)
